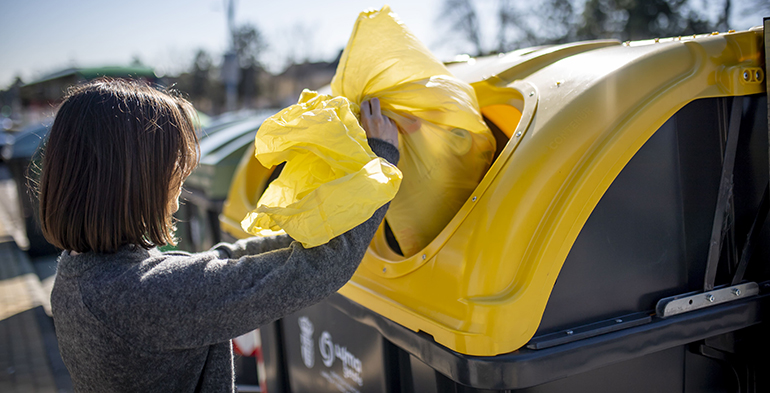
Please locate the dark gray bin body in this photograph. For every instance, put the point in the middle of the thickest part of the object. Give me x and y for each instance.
(646, 240)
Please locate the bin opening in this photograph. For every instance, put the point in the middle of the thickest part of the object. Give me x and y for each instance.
(505, 117)
(249, 182)
(390, 238)
(502, 120)
(501, 115)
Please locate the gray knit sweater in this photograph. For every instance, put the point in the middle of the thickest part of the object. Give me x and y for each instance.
(144, 321)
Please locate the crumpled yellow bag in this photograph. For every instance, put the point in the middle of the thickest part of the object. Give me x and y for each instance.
(445, 145)
(332, 180)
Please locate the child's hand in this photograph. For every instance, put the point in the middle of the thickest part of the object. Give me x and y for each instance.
(376, 125)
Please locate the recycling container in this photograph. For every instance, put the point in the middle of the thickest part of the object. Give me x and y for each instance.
(222, 145)
(618, 243)
(22, 155)
(186, 216)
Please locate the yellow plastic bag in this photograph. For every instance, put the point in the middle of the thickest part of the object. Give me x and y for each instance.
(331, 183)
(445, 145)
(332, 180)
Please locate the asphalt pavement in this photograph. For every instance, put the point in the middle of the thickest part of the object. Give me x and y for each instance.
(29, 354)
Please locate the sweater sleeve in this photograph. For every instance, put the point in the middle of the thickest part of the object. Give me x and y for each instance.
(181, 302)
(252, 245)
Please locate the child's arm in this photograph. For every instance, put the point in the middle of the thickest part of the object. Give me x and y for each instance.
(252, 246)
(175, 301)
(377, 127)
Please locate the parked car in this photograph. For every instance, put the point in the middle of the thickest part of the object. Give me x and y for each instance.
(5, 138)
(22, 156)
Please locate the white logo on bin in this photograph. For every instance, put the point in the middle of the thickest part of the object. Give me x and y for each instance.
(327, 348)
(351, 365)
(306, 341)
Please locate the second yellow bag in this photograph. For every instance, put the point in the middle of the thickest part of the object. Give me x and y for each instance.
(445, 145)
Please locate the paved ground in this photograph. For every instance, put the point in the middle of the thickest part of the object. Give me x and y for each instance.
(29, 356)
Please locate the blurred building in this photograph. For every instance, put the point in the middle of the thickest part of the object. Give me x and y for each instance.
(287, 86)
(39, 98)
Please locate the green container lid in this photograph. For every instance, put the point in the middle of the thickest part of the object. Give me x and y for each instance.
(221, 150)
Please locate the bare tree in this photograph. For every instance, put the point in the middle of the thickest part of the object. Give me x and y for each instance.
(724, 18)
(461, 17)
(249, 44)
(523, 24)
(200, 74)
(634, 20)
(514, 27)
(548, 22)
(561, 18)
(755, 7)
(300, 43)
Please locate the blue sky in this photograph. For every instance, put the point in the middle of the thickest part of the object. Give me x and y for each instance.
(38, 37)
(41, 36)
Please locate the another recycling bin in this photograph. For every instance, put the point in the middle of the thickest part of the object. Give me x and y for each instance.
(221, 147)
(618, 243)
(184, 231)
(22, 155)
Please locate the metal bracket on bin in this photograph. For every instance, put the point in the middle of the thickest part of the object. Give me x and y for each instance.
(679, 304)
(590, 330)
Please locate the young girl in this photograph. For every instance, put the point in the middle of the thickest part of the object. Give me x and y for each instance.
(133, 319)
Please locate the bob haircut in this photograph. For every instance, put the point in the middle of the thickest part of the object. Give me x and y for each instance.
(116, 156)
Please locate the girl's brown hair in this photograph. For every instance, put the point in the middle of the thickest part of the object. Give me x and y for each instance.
(116, 156)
